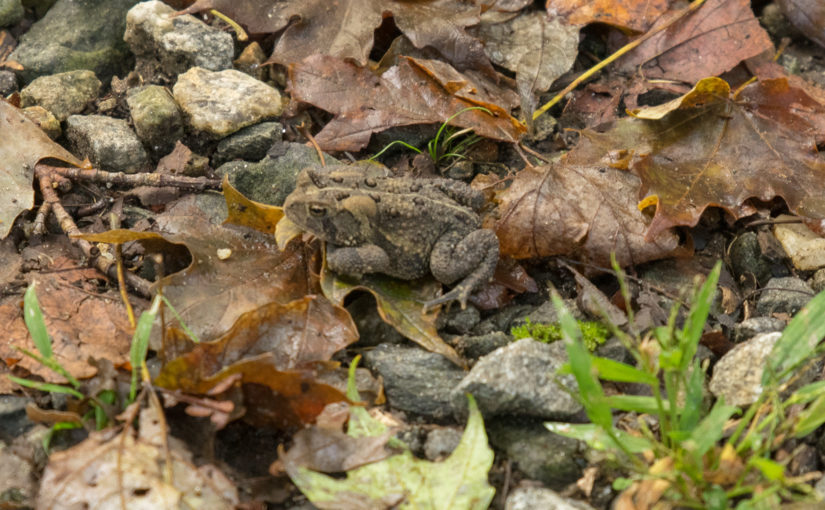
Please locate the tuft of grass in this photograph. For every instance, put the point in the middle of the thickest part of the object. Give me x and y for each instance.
(97, 403)
(449, 143)
(684, 451)
(594, 334)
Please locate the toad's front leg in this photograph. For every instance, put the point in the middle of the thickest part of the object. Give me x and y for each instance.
(357, 260)
(472, 257)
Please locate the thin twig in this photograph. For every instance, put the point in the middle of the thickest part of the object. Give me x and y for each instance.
(140, 179)
(68, 226)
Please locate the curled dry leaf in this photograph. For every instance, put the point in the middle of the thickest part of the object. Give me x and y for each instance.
(582, 212)
(709, 149)
(399, 303)
(405, 94)
(263, 351)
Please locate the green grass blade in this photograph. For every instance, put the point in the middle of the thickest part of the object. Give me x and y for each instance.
(810, 418)
(595, 437)
(798, 340)
(47, 387)
(691, 411)
(710, 429)
(140, 343)
(695, 323)
(35, 323)
(637, 403)
(611, 370)
(590, 389)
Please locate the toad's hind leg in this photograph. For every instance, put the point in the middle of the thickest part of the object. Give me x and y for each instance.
(472, 257)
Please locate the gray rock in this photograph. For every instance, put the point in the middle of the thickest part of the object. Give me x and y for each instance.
(273, 178)
(503, 319)
(747, 259)
(441, 442)
(737, 376)
(615, 350)
(157, 119)
(456, 320)
(817, 281)
(783, 295)
(753, 326)
(476, 346)
(415, 380)
(17, 479)
(172, 44)
(250, 143)
(63, 94)
(8, 83)
(13, 420)
(538, 453)
(76, 35)
(534, 498)
(220, 103)
(11, 11)
(108, 143)
(520, 379)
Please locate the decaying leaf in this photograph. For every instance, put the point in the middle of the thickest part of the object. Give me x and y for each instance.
(22, 145)
(583, 212)
(404, 482)
(345, 28)
(405, 94)
(400, 305)
(709, 149)
(109, 469)
(81, 324)
(271, 347)
(808, 16)
(538, 50)
(708, 42)
(636, 15)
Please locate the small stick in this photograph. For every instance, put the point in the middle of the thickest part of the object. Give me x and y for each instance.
(68, 226)
(141, 179)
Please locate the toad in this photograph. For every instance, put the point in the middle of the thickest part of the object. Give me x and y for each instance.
(401, 227)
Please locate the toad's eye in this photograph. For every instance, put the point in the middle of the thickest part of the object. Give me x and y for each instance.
(317, 210)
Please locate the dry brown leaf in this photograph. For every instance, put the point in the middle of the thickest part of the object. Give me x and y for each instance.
(82, 324)
(708, 149)
(403, 95)
(538, 50)
(583, 212)
(636, 15)
(108, 470)
(708, 42)
(345, 28)
(808, 16)
(22, 145)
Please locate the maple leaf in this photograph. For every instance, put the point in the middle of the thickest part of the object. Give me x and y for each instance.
(580, 211)
(411, 92)
(708, 148)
